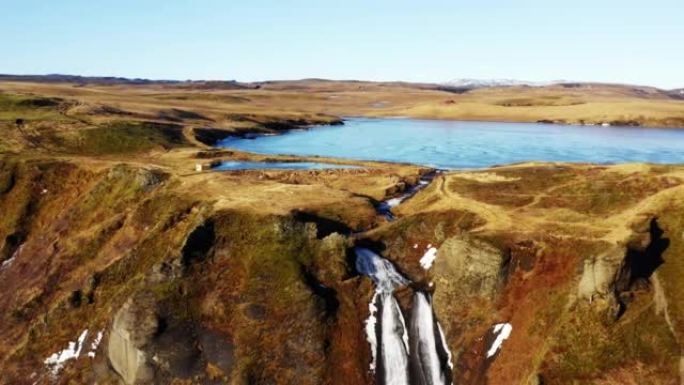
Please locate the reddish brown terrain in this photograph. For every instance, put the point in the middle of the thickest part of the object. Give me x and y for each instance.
(248, 277)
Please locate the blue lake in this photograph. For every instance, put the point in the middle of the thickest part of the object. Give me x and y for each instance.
(239, 165)
(455, 144)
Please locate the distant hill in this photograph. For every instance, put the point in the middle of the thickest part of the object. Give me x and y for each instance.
(677, 94)
(318, 84)
(113, 80)
(59, 78)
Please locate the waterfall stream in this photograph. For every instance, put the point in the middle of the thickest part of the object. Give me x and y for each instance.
(426, 344)
(393, 342)
(401, 356)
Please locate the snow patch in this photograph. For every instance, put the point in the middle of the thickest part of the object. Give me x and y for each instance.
(502, 331)
(370, 329)
(55, 362)
(428, 258)
(95, 344)
(485, 83)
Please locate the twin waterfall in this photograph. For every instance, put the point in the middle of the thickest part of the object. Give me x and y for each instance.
(416, 355)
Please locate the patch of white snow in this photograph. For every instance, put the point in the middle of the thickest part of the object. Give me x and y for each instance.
(55, 362)
(428, 258)
(502, 331)
(95, 344)
(371, 337)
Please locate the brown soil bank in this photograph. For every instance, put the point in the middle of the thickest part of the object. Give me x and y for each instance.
(247, 278)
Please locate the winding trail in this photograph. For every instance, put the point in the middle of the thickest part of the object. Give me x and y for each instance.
(493, 215)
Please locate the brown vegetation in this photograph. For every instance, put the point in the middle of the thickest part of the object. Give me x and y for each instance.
(248, 277)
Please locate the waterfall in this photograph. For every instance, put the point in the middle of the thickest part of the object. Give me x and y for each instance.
(393, 342)
(427, 367)
(394, 349)
(388, 337)
(380, 270)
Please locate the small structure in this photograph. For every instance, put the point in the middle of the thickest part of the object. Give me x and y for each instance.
(198, 167)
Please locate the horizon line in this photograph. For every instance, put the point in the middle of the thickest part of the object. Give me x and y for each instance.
(514, 82)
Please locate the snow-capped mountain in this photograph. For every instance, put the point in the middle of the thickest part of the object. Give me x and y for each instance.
(482, 83)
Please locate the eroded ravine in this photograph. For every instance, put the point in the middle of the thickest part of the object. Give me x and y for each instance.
(413, 355)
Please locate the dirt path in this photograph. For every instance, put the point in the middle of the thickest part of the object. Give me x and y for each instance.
(493, 215)
(620, 223)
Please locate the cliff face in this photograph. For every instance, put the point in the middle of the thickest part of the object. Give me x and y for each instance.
(572, 258)
(252, 280)
(179, 290)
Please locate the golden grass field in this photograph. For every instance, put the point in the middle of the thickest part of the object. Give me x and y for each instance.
(79, 117)
(588, 103)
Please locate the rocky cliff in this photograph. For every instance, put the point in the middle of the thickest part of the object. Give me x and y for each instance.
(121, 273)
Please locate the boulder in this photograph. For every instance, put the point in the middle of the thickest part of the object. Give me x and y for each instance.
(134, 326)
(467, 269)
(470, 266)
(600, 274)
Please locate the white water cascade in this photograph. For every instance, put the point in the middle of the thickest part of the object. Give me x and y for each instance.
(393, 342)
(426, 342)
(389, 337)
(400, 357)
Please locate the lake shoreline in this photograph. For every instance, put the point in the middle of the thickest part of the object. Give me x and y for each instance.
(466, 145)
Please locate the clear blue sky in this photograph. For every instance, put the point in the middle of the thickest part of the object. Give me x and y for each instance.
(639, 42)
